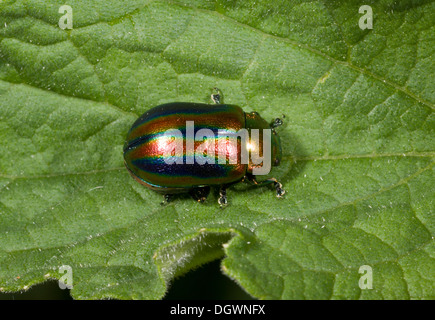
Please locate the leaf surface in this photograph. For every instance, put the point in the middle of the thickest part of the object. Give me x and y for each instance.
(358, 145)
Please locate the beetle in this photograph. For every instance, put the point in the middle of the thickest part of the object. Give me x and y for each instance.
(153, 132)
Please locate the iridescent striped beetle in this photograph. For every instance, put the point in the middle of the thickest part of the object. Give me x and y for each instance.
(151, 158)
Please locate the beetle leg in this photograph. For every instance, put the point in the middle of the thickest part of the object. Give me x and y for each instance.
(223, 196)
(166, 199)
(278, 186)
(217, 96)
(200, 194)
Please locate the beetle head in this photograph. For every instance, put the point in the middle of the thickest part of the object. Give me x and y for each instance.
(255, 121)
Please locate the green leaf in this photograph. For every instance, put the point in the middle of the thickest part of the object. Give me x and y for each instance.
(358, 144)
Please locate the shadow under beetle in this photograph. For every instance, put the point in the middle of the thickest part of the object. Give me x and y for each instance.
(150, 153)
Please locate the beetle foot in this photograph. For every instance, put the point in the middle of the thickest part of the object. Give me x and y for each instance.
(223, 202)
(216, 96)
(222, 198)
(201, 200)
(279, 190)
(166, 199)
(200, 194)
